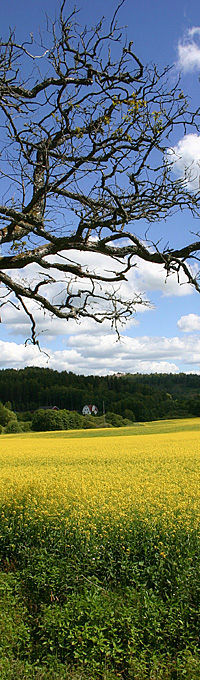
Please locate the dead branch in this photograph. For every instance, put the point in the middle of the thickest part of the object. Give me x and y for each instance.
(84, 160)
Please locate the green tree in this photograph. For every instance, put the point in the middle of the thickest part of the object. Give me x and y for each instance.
(114, 419)
(13, 427)
(56, 420)
(6, 415)
(47, 420)
(8, 405)
(129, 414)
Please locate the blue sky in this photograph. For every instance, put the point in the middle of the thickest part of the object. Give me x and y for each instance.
(165, 338)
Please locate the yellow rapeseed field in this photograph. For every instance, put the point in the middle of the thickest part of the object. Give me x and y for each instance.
(154, 475)
(99, 545)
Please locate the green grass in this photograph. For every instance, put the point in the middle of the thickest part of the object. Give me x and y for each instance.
(153, 427)
(87, 608)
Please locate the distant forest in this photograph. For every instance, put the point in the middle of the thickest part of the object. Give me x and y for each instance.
(136, 397)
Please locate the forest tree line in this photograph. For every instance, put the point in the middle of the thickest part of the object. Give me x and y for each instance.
(135, 397)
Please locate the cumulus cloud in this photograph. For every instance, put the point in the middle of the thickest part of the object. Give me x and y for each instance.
(86, 355)
(145, 278)
(189, 323)
(19, 356)
(152, 277)
(49, 328)
(91, 348)
(185, 157)
(189, 51)
(143, 354)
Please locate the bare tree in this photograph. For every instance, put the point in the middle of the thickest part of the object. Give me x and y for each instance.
(85, 131)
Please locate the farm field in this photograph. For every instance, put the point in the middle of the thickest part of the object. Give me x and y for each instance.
(99, 546)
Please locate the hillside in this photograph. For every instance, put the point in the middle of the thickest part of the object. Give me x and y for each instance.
(137, 397)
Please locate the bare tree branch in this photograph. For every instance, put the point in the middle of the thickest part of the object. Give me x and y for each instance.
(86, 131)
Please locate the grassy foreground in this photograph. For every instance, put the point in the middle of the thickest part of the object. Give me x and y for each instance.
(99, 548)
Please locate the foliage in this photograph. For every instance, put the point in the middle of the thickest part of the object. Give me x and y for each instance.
(114, 419)
(5, 415)
(13, 427)
(25, 416)
(129, 414)
(13, 629)
(89, 423)
(46, 420)
(86, 134)
(8, 405)
(8, 420)
(56, 420)
(26, 426)
(136, 397)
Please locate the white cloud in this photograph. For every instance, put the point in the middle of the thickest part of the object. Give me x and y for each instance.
(185, 157)
(193, 31)
(189, 51)
(130, 352)
(189, 323)
(103, 355)
(17, 324)
(145, 278)
(152, 277)
(19, 356)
